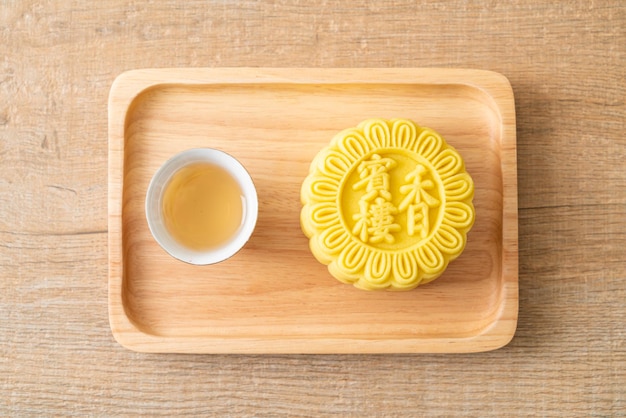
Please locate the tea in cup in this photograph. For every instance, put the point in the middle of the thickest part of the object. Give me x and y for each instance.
(202, 206)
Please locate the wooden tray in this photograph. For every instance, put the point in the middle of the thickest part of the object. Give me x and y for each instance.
(273, 296)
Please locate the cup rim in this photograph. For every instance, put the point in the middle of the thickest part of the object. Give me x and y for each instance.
(153, 205)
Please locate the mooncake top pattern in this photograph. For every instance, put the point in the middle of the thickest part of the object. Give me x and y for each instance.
(387, 205)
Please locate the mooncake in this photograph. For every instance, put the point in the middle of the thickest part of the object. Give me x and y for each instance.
(387, 205)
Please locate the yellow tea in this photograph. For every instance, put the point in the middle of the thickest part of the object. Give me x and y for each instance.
(202, 206)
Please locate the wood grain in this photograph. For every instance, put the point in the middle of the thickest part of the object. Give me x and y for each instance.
(273, 296)
(565, 61)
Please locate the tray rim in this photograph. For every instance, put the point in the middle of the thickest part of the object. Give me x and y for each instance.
(131, 84)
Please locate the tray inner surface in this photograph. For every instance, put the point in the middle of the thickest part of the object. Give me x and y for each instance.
(274, 287)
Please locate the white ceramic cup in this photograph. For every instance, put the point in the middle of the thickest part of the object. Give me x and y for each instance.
(154, 204)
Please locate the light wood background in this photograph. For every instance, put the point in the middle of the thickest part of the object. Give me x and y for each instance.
(566, 63)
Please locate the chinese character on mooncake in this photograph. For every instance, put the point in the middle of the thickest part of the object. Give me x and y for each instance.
(387, 205)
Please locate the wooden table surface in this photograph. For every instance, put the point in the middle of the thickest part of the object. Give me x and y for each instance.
(565, 61)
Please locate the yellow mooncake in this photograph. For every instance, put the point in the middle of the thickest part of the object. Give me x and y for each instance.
(387, 205)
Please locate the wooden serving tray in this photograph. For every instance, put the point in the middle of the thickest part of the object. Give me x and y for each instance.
(273, 296)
